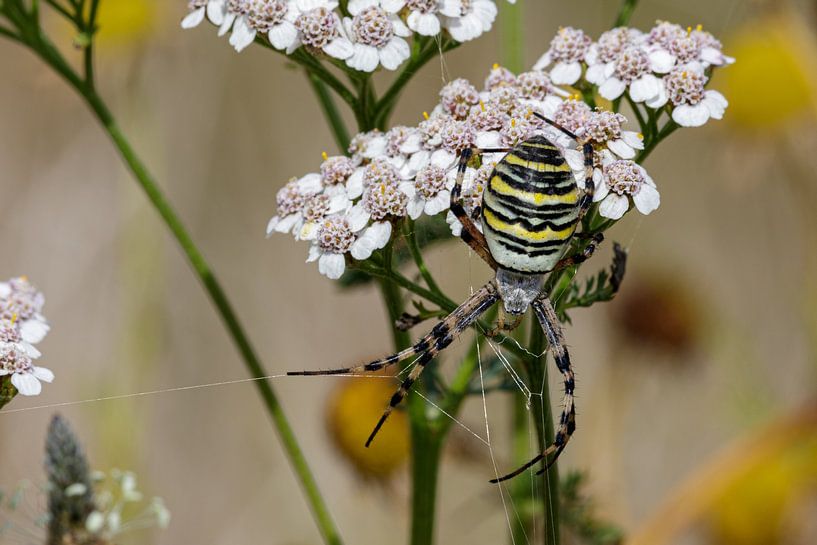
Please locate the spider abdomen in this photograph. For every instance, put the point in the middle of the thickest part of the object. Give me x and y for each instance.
(530, 207)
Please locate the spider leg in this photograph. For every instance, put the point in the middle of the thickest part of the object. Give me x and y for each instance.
(567, 422)
(470, 234)
(440, 337)
(582, 256)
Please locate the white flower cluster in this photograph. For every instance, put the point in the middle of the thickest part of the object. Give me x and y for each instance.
(369, 34)
(347, 210)
(116, 498)
(21, 327)
(668, 65)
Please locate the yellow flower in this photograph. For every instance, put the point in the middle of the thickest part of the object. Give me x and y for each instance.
(753, 509)
(352, 413)
(775, 77)
(124, 23)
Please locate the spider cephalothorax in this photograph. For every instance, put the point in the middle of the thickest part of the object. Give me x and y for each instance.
(530, 209)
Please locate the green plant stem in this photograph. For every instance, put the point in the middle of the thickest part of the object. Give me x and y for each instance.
(625, 12)
(642, 124)
(425, 444)
(423, 50)
(228, 316)
(520, 489)
(426, 448)
(414, 248)
(38, 42)
(512, 36)
(669, 128)
(543, 421)
(330, 112)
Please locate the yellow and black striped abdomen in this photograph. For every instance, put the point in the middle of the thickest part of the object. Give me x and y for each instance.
(530, 207)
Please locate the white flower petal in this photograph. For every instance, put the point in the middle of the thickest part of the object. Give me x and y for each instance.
(620, 148)
(356, 6)
(566, 73)
(306, 5)
(332, 265)
(26, 383)
(425, 24)
(42, 373)
(453, 223)
(357, 217)
(612, 88)
(34, 330)
(601, 188)
(595, 74)
(392, 6)
(340, 48)
(95, 522)
(227, 23)
(364, 58)
(394, 53)
(419, 160)
(451, 8)
(543, 62)
(660, 99)
(29, 349)
(287, 223)
(633, 139)
(465, 28)
(216, 10)
(314, 253)
(400, 28)
(443, 158)
(647, 199)
(614, 206)
(283, 35)
(575, 159)
(439, 203)
(354, 185)
(243, 35)
(489, 139)
(691, 116)
(194, 18)
(415, 206)
(661, 61)
(376, 236)
(646, 87)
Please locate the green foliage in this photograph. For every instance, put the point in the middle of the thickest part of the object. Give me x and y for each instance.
(599, 288)
(578, 514)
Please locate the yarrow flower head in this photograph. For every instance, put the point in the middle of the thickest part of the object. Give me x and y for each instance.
(693, 105)
(21, 327)
(620, 181)
(377, 37)
(373, 34)
(566, 52)
(468, 19)
(350, 209)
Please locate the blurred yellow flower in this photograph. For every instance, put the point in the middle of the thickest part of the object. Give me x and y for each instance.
(351, 414)
(124, 23)
(752, 510)
(775, 78)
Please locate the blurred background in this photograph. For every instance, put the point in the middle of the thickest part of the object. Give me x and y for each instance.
(697, 386)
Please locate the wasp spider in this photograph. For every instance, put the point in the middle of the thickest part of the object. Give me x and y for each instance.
(530, 209)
